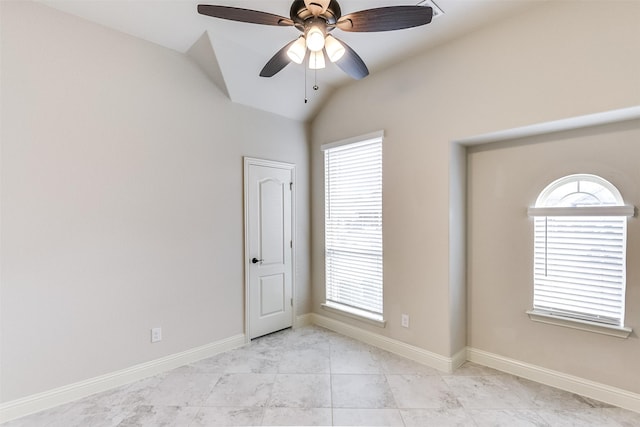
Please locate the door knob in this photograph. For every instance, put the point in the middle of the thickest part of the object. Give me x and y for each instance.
(255, 260)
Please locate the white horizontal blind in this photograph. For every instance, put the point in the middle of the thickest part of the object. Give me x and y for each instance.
(353, 225)
(579, 267)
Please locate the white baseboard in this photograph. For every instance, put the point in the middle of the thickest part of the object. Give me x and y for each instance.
(604, 393)
(458, 359)
(434, 360)
(303, 320)
(58, 396)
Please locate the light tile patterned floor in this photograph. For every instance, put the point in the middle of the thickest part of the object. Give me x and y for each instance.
(312, 376)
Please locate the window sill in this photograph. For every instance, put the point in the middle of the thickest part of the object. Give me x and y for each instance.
(354, 313)
(583, 325)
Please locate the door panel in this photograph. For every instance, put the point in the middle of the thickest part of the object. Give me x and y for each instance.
(272, 207)
(268, 232)
(272, 295)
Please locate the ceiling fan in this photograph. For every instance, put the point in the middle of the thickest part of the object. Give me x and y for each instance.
(316, 19)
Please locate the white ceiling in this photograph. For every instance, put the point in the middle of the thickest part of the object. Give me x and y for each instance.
(233, 53)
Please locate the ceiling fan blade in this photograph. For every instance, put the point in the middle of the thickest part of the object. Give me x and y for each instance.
(386, 18)
(277, 62)
(243, 15)
(351, 63)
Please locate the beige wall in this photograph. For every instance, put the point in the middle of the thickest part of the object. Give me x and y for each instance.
(503, 180)
(121, 201)
(556, 60)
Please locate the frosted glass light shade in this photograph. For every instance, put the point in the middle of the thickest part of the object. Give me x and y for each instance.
(316, 60)
(297, 51)
(315, 39)
(334, 48)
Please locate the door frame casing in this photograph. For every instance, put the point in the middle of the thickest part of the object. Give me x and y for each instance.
(251, 161)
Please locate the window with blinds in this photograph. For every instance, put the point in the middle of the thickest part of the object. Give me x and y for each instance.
(580, 229)
(353, 225)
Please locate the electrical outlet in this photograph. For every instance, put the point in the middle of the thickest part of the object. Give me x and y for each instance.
(405, 321)
(156, 334)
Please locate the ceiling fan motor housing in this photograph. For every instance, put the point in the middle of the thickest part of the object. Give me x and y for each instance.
(300, 13)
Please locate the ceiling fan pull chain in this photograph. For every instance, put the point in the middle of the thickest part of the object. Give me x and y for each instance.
(315, 79)
(305, 85)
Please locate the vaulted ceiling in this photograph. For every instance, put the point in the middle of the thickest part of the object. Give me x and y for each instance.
(233, 53)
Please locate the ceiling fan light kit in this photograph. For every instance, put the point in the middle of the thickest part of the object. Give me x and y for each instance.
(298, 50)
(316, 61)
(315, 38)
(316, 19)
(334, 48)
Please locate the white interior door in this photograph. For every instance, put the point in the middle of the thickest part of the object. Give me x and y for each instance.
(268, 246)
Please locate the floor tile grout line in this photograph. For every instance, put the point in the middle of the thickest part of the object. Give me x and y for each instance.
(193, 420)
(395, 400)
(473, 420)
(331, 380)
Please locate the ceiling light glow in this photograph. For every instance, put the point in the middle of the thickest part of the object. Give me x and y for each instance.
(334, 48)
(297, 50)
(316, 60)
(315, 39)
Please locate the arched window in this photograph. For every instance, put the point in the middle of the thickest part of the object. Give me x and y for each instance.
(579, 261)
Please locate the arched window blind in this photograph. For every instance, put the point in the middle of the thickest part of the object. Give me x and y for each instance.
(580, 236)
(353, 224)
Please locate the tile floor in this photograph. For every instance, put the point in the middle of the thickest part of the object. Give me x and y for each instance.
(312, 376)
